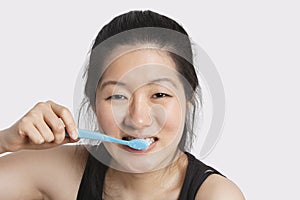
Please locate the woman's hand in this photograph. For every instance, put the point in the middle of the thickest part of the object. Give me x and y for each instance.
(44, 126)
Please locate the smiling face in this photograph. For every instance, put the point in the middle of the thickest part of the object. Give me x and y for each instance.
(140, 96)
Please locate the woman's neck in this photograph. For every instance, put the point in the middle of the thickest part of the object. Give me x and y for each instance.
(168, 179)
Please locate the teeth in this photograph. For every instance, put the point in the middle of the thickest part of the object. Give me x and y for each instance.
(149, 140)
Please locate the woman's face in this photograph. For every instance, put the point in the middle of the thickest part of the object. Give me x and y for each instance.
(140, 96)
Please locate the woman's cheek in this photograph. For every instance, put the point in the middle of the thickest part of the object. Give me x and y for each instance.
(106, 119)
(174, 118)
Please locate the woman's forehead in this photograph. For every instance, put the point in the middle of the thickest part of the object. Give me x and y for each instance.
(137, 58)
(141, 66)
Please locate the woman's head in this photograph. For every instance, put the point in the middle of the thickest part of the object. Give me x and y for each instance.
(140, 47)
(144, 27)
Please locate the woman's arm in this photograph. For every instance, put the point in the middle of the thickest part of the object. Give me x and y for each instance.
(29, 174)
(17, 177)
(45, 174)
(217, 187)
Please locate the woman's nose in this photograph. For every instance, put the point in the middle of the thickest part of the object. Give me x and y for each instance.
(139, 115)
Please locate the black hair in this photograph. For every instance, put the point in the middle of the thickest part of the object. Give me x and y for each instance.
(136, 19)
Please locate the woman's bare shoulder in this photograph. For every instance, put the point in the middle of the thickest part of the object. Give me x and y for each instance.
(61, 155)
(43, 172)
(217, 187)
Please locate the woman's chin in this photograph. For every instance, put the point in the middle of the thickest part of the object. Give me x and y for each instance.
(135, 161)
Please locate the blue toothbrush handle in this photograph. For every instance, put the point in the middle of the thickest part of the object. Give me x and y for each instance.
(98, 136)
(138, 144)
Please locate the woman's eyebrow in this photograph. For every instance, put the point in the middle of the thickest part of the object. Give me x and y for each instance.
(111, 83)
(155, 81)
(164, 80)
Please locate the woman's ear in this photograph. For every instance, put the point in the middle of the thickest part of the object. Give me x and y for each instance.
(189, 105)
(94, 109)
(189, 108)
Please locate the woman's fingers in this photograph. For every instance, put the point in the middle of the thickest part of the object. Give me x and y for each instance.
(52, 144)
(45, 131)
(66, 117)
(29, 130)
(44, 126)
(56, 125)
(46, 123)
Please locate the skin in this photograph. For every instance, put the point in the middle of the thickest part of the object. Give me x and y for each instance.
(28, 173)
(55, 171)
(142, 101)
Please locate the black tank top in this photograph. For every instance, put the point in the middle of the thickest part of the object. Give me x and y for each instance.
(91, 187)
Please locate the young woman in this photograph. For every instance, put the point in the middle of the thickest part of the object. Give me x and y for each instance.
(140, 83)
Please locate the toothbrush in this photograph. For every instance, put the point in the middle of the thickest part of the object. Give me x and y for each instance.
(138, 144)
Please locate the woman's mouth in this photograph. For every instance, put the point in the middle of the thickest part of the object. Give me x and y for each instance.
(151, 141)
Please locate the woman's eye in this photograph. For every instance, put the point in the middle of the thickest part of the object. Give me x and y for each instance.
(116, 97)
(160, 95)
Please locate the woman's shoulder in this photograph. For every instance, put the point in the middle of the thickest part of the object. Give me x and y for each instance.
(209, 184)
(217, 187)
(48, 172)
(63, 155)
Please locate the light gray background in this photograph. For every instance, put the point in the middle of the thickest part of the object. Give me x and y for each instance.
(254, 45)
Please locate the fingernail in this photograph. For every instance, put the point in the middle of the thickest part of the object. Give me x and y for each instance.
(74, 134)
(21, 133)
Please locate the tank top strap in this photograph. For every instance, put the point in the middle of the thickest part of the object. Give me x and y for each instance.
(196, 174)
(91, 187)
